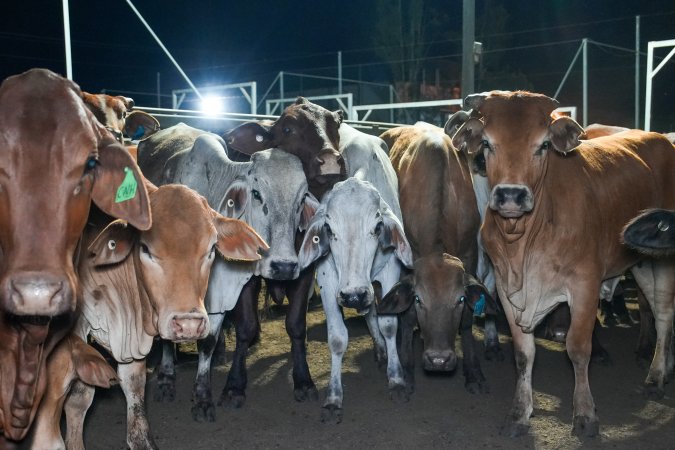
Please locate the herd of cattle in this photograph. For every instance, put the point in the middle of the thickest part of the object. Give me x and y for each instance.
(423, 227)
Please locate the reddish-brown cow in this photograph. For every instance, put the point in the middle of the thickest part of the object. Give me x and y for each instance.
(55, 158)
(557, 207)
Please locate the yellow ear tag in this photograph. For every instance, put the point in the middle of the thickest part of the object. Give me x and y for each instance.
(127, 189)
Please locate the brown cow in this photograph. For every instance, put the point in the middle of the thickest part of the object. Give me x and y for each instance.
(115, 113)
(138, 285)
(557, 207)
(440, 218)
(55, 158)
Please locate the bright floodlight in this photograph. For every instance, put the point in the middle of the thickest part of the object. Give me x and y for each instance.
(212, 105)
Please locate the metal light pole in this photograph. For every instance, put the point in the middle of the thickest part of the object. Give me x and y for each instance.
(66, 32)
(468, 37)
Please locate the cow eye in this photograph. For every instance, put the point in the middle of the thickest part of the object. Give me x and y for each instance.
(329, 232)
(91, 164)
(256, 195)
(462, 299)
(417, 299)
(485, 145)
(378, 229)
(145, 249)
(286, 130)
(544, 146)
(212, 253)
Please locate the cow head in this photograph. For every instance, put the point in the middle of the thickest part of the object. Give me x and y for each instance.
(272, 196)
(305, 130)
(360, 232)
(441, 293)
(652, 232)
(109, 110)
(515, 133)
(174, 257)
(55, 159)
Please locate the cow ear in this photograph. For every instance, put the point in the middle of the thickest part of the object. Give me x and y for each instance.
(251, 137)
(235, 200)
(118, 186)
(392, 236)
(90, 366)
(139, 125)
(469, 136)
(310, 206)
(565, 134)
(339, 116)
(237, 240)
(301, 101)
(113, 244)
(315, 244)
(477, 296)
(398, 299)
(455, 122)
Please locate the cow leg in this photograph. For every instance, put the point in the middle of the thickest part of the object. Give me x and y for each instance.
(166, 373)
(655, 280)
(379, 344)
(132, 381)
(598, 351)
(647, 337)
(579, 344)
(407, 323)
(298, 294)
(493, 350)
(247, 329)
(474, 380)
(388, 325)
(338, 339)
(202, 399)
(517, 421)
(76, 406)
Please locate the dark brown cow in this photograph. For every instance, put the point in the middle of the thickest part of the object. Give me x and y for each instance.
(55, 158)
(142, 284)
(440, 218)
(557, 207)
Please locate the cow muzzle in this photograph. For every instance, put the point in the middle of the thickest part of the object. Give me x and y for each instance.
(439, 360)
(187, 327)
(511, 200)
(359, 299)
(283, 270)
(37, 294)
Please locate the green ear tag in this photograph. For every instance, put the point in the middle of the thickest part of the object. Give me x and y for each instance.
(127, 189)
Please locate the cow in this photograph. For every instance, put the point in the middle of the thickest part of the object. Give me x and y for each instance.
(55, 159)
(142, 284)
(271, 194)
(440, 218)
(358, 241)
(596, 130)
(556, 208)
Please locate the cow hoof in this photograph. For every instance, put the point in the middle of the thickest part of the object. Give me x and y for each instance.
(514, 429)
(232, 400)
(494, 353)
(399, 394)
(203, 412)
(585, 427)
(652, 391)
(166, 389)
(302, 394)
(331, 414)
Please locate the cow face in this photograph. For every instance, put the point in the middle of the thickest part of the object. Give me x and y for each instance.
(439, 290)
(360, 232)
(652, 232)
(174, 257)
(515, 134)
(110, 111)
(54, 159)
(304, 129)
(272, 196)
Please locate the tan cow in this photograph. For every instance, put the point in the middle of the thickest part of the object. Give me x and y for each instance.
(557, 207)
(55, 158)
(138, 285)
(115, 113)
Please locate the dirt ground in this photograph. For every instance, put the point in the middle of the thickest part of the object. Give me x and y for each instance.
(440, 414)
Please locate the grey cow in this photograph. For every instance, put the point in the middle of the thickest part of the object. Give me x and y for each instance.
(269, 193)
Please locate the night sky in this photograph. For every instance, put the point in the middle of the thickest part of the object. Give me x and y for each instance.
(220, 42)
